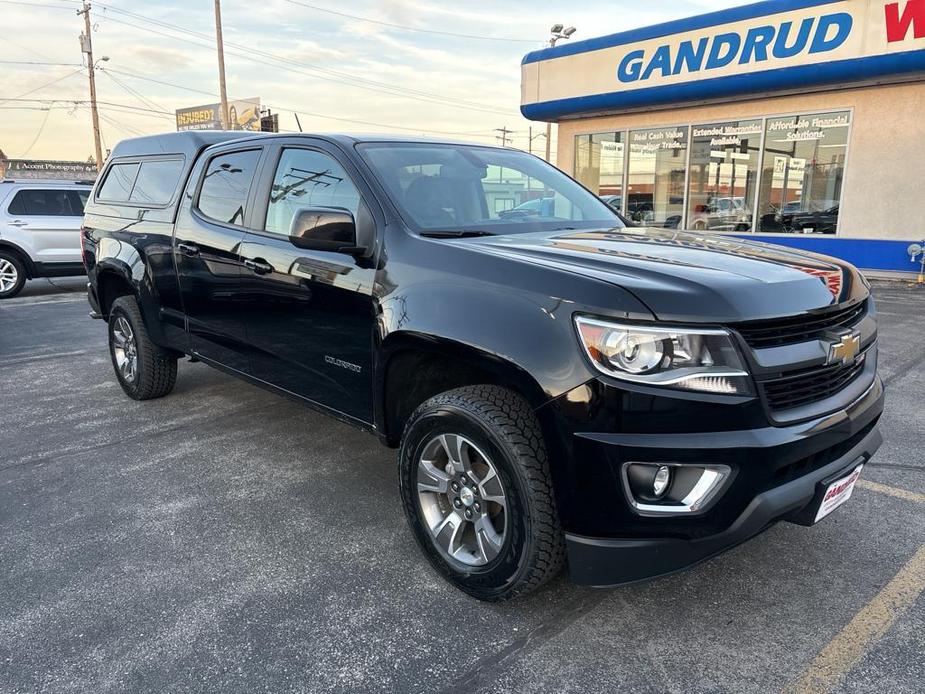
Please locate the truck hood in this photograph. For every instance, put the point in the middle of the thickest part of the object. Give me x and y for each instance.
(690, 277)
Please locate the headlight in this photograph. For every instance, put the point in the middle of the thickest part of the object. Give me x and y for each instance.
(687, 358)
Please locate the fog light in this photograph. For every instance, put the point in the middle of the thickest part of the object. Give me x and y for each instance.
(661, 481)
(673, 488)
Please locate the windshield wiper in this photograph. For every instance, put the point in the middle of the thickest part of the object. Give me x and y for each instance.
(456, 234)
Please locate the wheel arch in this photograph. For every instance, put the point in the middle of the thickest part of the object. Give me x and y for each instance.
(414, 367)
(112, 282)
(22, 255)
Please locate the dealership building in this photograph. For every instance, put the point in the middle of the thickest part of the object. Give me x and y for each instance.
(799, 122)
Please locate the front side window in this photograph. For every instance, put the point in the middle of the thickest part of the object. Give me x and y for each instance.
(307, 178)
(803, 171)
(657, 166)
(225, 185)
(39, 202)
(500, 191)
(117, 186)
(723, 175)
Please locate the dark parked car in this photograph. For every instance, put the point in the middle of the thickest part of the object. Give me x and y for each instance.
(560, 387)
(821, 222)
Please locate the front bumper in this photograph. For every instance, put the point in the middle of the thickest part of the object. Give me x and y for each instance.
(801, 457)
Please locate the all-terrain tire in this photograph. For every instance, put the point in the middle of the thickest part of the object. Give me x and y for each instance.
(156, 368)
(501, 424)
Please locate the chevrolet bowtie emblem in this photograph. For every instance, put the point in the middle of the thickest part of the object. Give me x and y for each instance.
(845, 349)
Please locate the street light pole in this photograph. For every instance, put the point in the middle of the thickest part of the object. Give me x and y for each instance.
(221, 64)
(86, 46)
(558, 31)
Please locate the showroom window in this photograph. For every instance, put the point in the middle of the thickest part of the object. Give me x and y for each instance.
(655, 190)
(599, 161)
(791, 185)
(803, 171)
(723, 176)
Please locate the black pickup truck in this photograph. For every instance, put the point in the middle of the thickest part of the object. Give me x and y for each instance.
(561, 388)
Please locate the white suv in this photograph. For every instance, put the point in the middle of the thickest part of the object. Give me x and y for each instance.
(40, 231)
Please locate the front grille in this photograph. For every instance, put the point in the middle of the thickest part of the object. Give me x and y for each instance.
(811, 385)
(788, 331)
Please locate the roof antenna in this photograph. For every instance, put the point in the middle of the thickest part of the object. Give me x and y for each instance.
(297, 120)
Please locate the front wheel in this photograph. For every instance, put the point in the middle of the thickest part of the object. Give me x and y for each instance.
(144, 370)
(476, 490)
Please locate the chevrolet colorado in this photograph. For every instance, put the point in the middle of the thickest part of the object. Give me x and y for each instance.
(561, 388)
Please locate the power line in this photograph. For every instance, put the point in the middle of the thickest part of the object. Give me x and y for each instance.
(251, 53)
(277, 106)
(40, 87)
(38, 134)
(145, 101)
(404, 27)
(34, 62)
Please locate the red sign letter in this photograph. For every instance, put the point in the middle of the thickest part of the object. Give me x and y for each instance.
(897, 27)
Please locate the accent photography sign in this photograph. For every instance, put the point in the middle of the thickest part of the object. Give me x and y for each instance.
(780, 45)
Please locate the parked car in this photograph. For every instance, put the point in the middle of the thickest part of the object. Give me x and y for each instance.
(39, 231)
(615, 202)
(821, 222)
(559, 388)
(721, 214)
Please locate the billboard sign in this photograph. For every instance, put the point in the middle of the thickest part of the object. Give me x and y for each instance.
(45, 169)
(243, 114)
(772, 46)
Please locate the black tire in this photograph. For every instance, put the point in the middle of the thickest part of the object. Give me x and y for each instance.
(503, 426)
(10, 259)
(156, 369)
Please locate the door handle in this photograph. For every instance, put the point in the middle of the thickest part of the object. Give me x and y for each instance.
(261, 267)
(190, 249)
(18, 223)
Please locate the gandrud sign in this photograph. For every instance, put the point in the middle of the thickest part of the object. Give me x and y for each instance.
(774, 46)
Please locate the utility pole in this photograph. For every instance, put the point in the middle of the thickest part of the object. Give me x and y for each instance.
(504, 135)
(221, 63)
(86, 46)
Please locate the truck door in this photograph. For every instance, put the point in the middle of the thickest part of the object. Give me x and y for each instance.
(206, 248)
(309, 314)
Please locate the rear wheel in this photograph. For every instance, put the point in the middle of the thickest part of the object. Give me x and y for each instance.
(145, 371)
(476, 490)
(12, 275)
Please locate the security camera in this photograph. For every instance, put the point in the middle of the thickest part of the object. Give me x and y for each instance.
(569, 31)
(556, 28)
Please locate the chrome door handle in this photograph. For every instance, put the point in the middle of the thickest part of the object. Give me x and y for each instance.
(18, 223)
(261, 267)
(190, 249)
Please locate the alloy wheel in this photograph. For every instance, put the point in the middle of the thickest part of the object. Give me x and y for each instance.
(125, 349)
(9, 275)
(462, 500)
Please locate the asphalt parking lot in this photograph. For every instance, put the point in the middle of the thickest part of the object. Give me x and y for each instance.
(224, 539)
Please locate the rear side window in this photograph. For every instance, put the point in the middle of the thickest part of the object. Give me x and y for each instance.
(38, 202)
(228, 178)
(144, 183)
(119, 181)
(157, 181)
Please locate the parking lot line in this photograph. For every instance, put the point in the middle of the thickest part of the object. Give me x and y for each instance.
(892, 491)
(868, 626)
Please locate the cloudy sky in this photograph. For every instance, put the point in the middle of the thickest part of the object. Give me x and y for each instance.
(413, 66)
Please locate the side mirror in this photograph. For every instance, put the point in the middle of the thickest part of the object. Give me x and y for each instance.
(325, 229)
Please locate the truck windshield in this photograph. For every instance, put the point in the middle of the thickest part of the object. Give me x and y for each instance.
(471, 188)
